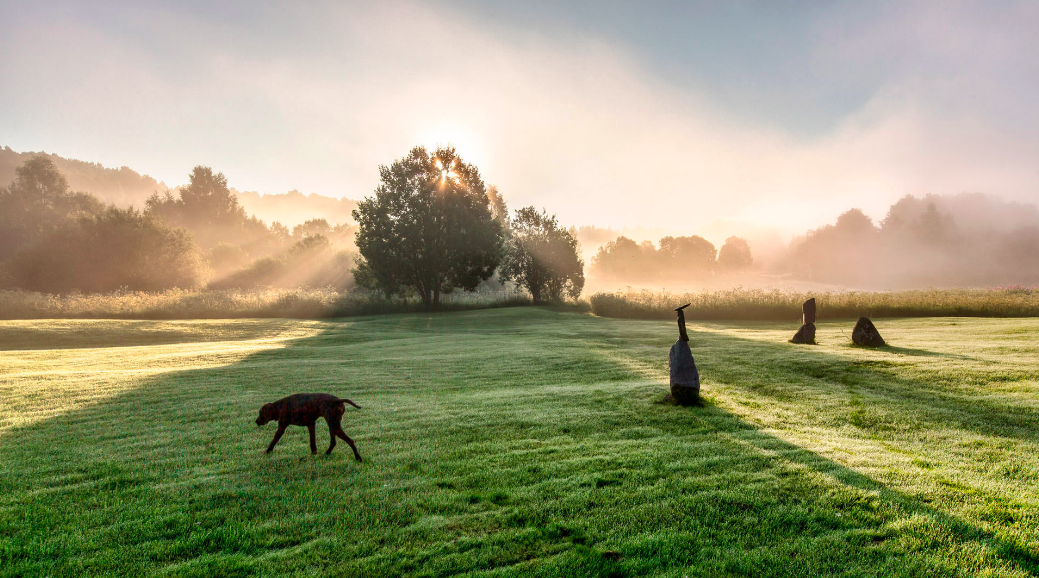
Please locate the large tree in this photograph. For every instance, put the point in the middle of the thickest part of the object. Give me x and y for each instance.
(542, 257)
(428, 228)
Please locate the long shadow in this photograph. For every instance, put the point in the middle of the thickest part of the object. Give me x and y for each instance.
(1018, 555)
(925, 353)
(172, 472)
(785, 366)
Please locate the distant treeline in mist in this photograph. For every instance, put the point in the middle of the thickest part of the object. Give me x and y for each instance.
(124, 187)
(55, 240)
(673, 259)
(957, 240)
(964, 240)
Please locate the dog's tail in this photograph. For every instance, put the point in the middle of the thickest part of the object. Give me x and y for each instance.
(344, 400)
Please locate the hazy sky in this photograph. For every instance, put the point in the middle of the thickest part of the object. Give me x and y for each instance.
(660, 114)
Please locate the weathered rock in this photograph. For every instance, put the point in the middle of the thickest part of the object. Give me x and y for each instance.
(808, 312)
(685, 379)
(805, 335)
(866, 334)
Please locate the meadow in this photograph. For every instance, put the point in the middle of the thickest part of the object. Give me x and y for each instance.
(519, 442)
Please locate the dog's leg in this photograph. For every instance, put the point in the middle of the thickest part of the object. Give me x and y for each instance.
(346, 438)
(313, 440)
(332, 427)
(277, 436)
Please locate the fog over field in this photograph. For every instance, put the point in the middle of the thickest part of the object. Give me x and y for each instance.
(887, 146)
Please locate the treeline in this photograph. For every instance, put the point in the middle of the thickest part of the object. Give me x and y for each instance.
(676, 258)
(431, 228)
(966, 240)
(55, 240)
(960, 240)
(124, 187)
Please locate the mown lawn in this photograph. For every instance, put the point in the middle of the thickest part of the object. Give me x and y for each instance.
(519, 442)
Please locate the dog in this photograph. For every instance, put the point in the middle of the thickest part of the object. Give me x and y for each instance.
(304, 409)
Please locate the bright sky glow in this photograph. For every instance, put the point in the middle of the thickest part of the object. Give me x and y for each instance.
(671, 115)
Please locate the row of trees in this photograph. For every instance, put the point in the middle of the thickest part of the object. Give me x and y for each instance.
(434, 227)
(967, 239)
(55, 240)
(677, 258)
(431, 227)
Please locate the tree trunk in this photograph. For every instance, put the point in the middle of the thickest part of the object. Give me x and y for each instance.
(436, 298)
(535, 293)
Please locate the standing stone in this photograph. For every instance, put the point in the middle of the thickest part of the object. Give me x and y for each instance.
(806, 334)
(808, 312)
(866, 334)
(685, 379)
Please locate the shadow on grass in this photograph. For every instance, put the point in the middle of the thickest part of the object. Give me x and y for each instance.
(1018, 555)
(172, 476)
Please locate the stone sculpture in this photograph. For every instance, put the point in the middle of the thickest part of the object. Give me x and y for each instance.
(866, 334)
(806, 334)
(685, 379)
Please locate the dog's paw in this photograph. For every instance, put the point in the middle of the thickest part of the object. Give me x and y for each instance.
(359, 459)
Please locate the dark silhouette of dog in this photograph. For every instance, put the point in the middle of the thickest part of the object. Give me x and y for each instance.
(304, 409)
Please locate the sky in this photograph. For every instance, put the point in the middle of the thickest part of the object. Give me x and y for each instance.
(679, 115)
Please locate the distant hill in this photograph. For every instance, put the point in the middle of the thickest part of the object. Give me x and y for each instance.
(125, 187)
(122, 187)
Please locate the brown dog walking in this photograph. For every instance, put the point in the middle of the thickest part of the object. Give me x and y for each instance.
(304, 409)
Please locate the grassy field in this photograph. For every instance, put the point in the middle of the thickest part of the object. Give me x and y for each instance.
(519, 442)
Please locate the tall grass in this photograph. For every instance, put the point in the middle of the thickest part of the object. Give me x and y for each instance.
(774, 304)
(232, 304)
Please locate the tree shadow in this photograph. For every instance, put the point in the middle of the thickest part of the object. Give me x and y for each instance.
(172, 474)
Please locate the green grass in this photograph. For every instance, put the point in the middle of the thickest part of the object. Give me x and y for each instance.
(774, 304)
(519, 442)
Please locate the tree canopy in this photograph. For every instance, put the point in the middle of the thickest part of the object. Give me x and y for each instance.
(118, 248)
(428, 228)
(735, 255)
(37, 203)
(542, 257)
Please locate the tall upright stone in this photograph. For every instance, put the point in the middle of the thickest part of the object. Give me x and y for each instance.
(808, 311)
(685, 379)
(806, 334)
(866, 334)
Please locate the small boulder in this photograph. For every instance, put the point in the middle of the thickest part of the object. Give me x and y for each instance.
(685, 379)
(866, 334)
(805, 335)
(808, 312)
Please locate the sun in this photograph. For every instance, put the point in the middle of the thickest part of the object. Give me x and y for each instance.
(448, 172)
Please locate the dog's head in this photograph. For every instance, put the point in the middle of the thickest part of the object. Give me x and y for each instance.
(266, 414)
